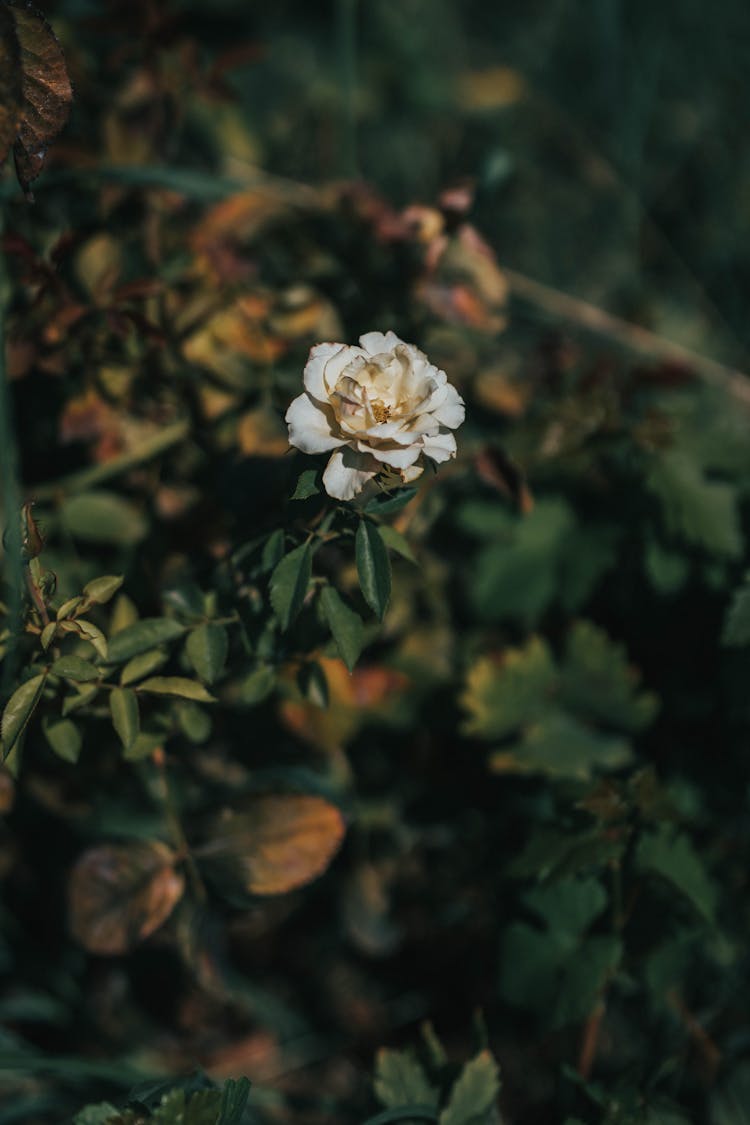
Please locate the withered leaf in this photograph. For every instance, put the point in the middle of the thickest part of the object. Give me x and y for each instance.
(11, 97)
(119, 894)
(38, 66)
(277, 842)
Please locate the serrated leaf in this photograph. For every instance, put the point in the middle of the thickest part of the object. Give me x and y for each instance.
(373, 567)
(700, 511)
(347, 627)
(206, 648)
(176, 685)
(18, 710)
(598, 681)
(276, 842)
(560, 746)
(474, 1093)
(76, 669)
(674, 858)
(273, 551)
(119, 894)
(289, 583)
(395, 541)
(142, 636)
(510, 691)
(64, 738)
(100, 590)
(123, 707)
(400, 1080)
(307, 485)
(142, 666)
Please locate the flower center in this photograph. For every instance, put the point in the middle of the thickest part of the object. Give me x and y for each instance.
(380, 412)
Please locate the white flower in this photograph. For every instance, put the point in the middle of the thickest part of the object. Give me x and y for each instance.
(379, 406)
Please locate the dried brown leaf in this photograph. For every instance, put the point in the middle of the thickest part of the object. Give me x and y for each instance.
(119, 894)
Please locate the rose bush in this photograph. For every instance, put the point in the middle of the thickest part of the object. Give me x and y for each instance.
(378, 406)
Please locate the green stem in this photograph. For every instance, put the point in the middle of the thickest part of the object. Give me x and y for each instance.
(11, 497)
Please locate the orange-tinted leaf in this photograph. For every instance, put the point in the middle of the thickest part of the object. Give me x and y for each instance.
(277, 842)
(261, 433)
(46, 91)
(121, 893)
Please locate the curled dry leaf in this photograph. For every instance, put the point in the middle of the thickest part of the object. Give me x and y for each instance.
(277, 842)
(119, 894)
(35, 91)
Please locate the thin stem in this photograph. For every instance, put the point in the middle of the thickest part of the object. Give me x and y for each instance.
(11, 496)
(176, 830)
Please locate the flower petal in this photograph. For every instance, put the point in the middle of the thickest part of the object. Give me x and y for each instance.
(399, 458)
(319, 356)
(451, 411)
(375, 343)
(309, 427)
(441, 447)
(411, 473)
(347, 473)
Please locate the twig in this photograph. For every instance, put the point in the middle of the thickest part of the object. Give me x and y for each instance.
(590, 1041)
(630, 336)
(97, 474)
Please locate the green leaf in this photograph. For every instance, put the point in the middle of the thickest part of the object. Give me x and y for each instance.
(64, 738)
(141, 666)
(233, 1101)
(103, 517)
(193, 721)
(307, 485)
(123, 706)
(401, 1080)
(568, 907)
(273, 550)
(83, 696)
(561, 746)
(395, 541)
(511, 691)
(598, 682)
(346, 626)
(98, 1114)
(373, 567)
(737, 621)
(93, 634)
(584, 978)
(674, 858)
(389, 503)
(206, 649)
(142, 636)
(73, 668)
(69, 607)
(100, 590)
(176, 685)
(48, 633)
(406, 1113)
(257, 686)
(144, 745)
(18, 710)
(474, 1093)
(699, 511)
(667, 571)
(289, 583)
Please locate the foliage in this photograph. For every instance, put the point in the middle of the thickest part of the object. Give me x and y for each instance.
(282, 776)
